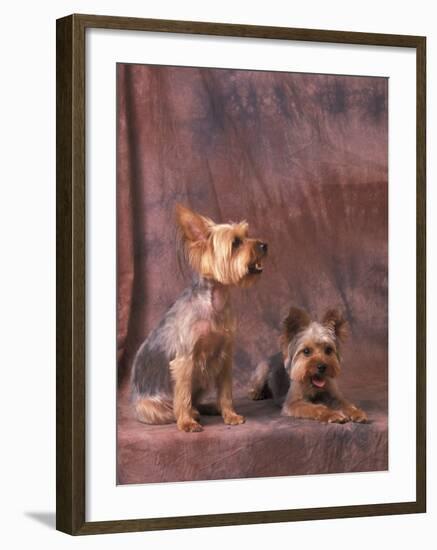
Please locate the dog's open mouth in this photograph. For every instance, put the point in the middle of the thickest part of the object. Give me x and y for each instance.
(256, 268)
(317, 381)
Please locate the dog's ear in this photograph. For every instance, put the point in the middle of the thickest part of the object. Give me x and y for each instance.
(296, 320)
(193, 226)
(335, 321)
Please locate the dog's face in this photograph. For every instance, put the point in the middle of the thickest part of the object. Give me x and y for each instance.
(223, 252)
(311, 348)
(314, 356)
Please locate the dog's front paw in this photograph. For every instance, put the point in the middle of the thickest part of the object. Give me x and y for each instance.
(189, 425)
(233, 419)
(357, 415)
(334, 417)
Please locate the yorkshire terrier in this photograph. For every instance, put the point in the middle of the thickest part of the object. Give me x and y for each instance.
(302, 378)
(191, 348)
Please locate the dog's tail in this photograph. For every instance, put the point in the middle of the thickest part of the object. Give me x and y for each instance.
(258, 386)
(154, 410)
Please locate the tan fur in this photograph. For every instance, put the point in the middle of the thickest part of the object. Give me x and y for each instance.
(196, 336)
(209, 249)
(305, 367)
(210, 364)
(306, 370)
(258, 380)
(312, 344)
(336, 321)
(296, 320)
(182, 370)
(154, 410)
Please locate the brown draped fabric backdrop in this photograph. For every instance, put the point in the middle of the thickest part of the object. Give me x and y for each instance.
(303, 158)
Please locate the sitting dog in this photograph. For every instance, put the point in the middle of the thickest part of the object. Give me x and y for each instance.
(191, 348)
(303, 377)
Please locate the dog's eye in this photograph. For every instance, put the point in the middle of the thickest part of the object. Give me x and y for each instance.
(328, 350)
(306, 351)
(236, 243)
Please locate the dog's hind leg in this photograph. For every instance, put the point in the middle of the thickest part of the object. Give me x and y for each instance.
(154, 410)
(258, 387)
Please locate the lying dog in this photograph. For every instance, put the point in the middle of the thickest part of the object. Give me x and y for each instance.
(303, 377)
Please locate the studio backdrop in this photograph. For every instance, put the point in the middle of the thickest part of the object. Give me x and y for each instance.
(303, 158)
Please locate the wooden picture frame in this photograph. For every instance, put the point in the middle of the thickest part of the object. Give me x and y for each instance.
(71, 254)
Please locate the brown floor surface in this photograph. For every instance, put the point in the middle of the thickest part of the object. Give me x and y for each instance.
(267, 445)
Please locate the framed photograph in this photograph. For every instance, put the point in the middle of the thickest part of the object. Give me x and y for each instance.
(240, 274)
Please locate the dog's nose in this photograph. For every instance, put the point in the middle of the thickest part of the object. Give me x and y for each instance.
(321, 368)
(262, 247)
